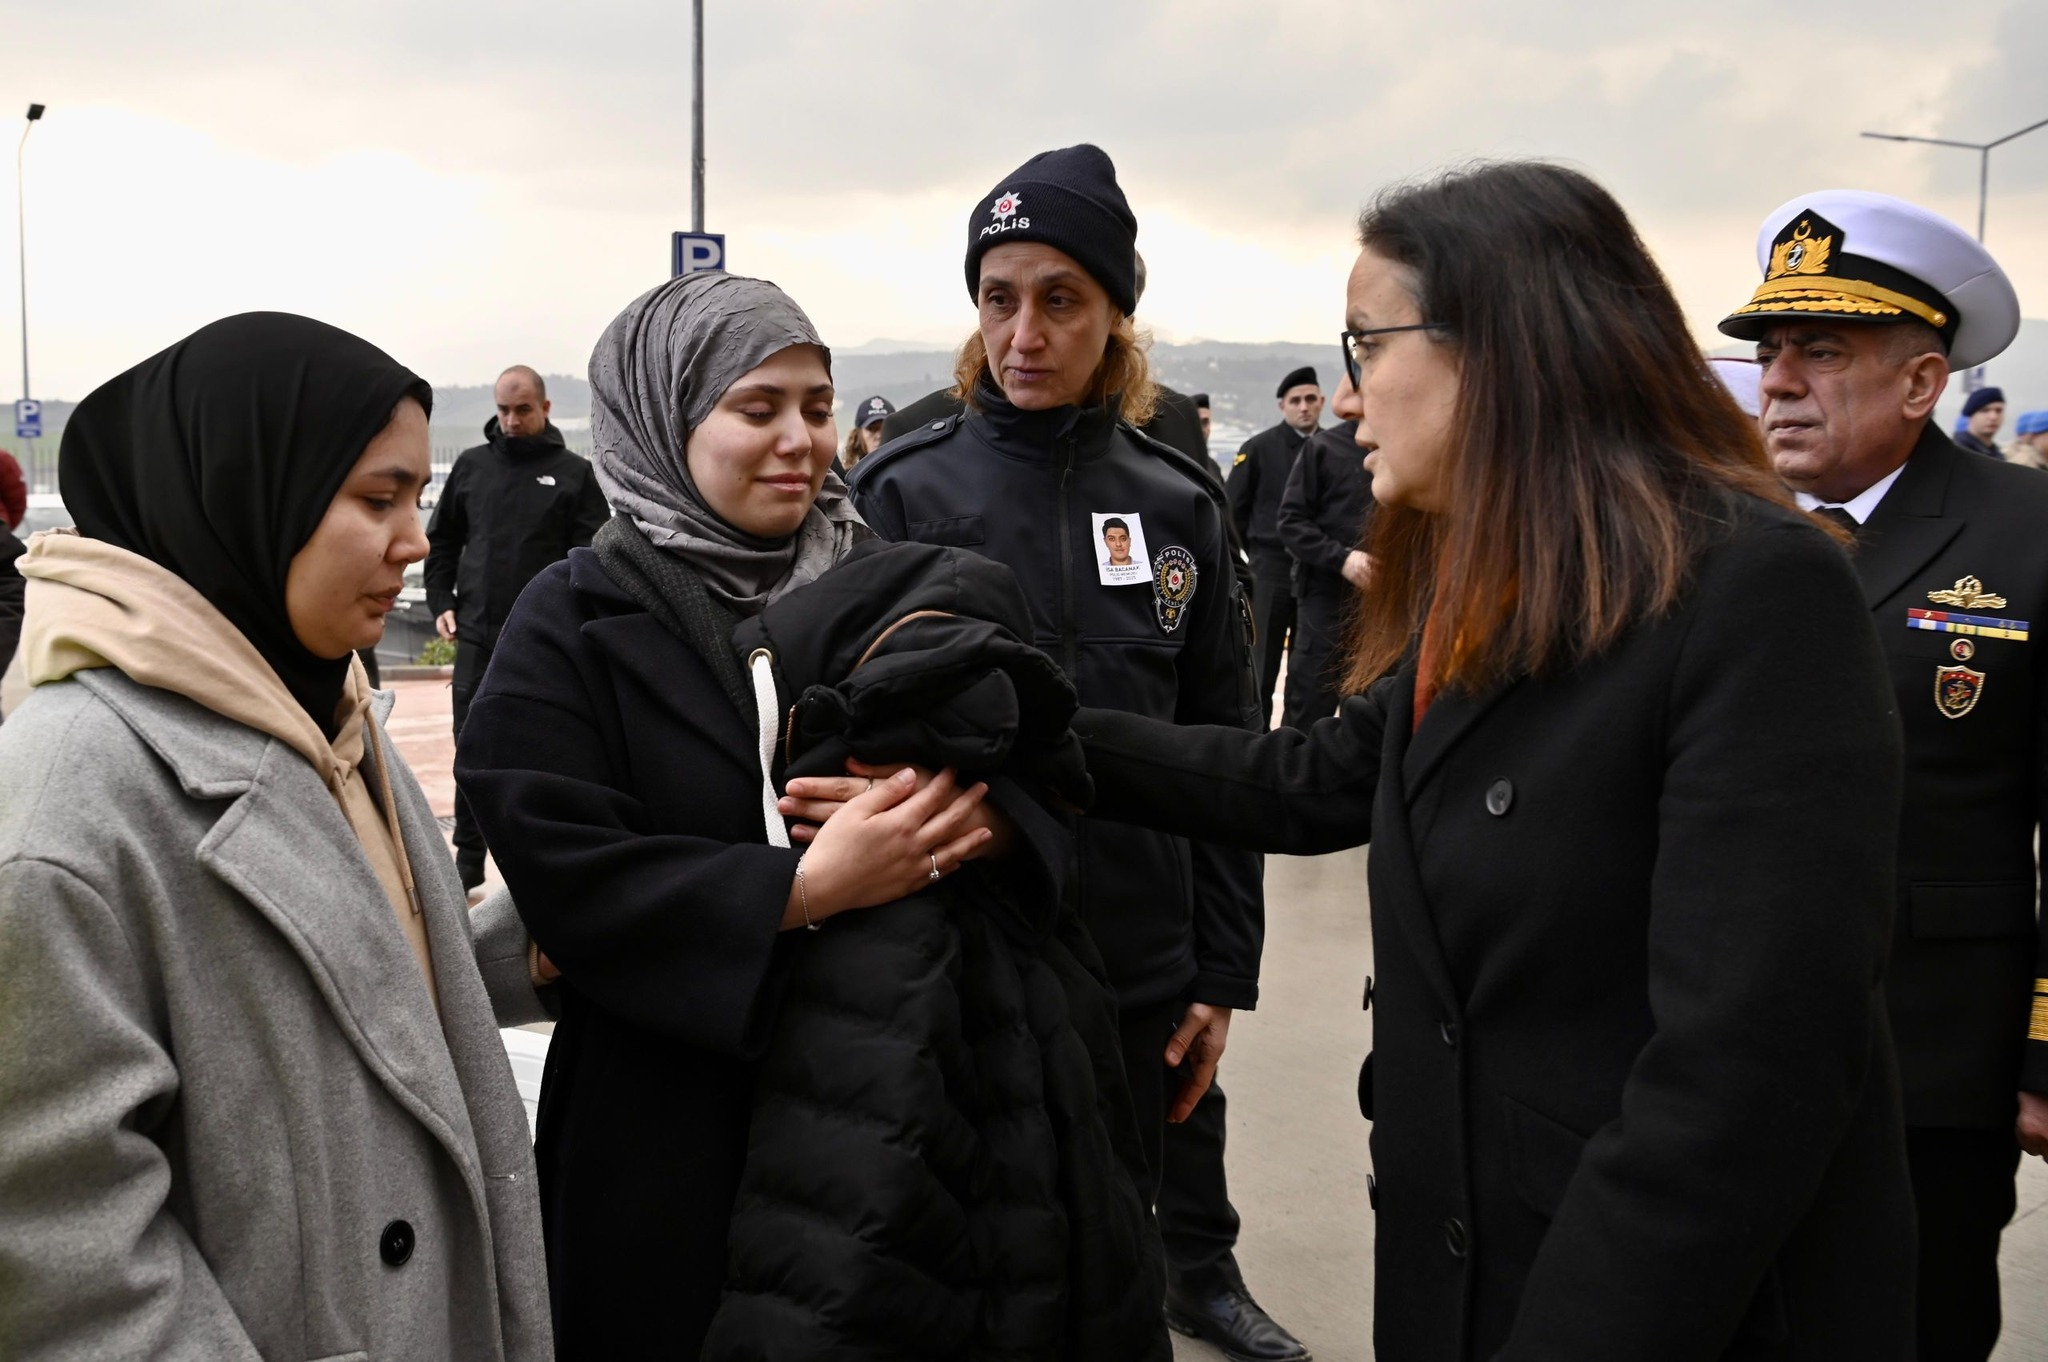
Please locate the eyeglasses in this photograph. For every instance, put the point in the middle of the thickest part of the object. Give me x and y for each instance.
(1354, 361)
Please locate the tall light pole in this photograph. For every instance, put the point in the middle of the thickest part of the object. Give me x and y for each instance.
(1983, 150)
(697, 120)
(35, 114)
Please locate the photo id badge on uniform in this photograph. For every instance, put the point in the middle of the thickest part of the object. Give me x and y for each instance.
(1120, 556)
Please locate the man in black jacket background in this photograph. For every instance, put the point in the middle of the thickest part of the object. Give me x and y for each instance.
(1323, 514)
(511, 506)
(1867, 304)
(1258, 476)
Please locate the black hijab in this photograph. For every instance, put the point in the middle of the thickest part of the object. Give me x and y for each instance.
(217, 459)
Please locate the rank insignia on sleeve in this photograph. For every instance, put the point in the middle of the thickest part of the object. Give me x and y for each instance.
(1241, 457)
(1173, 585)
(1957, 690)
(1967, 594)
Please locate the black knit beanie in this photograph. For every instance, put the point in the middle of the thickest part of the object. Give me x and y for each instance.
(1069, 200)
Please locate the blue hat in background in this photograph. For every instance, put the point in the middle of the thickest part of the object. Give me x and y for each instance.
(1981, 399)
(873, 410)
(2032, 423)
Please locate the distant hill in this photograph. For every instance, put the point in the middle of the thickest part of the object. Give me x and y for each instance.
(1238, 377)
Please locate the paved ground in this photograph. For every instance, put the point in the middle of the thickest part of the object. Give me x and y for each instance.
(1297, 1146)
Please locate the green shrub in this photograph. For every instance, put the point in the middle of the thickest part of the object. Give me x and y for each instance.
(439, 652)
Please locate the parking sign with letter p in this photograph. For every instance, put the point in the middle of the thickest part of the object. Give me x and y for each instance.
(695, 252)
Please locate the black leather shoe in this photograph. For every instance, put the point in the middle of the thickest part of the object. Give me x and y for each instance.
(472, 872)
(1226, 1316)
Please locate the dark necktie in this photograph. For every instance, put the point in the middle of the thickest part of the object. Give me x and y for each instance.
(1838, 517)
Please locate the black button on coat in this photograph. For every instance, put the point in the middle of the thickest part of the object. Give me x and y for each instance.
(1630, 1037)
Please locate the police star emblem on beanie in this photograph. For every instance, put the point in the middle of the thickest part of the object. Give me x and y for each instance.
(1075, 206)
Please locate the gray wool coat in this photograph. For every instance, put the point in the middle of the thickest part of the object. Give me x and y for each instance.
(231, 1125)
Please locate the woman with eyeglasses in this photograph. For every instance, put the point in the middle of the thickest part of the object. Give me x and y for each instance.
(1619, 733)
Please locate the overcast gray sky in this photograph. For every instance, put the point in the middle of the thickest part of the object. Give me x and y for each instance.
(471, 185)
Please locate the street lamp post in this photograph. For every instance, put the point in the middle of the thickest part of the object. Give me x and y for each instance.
(35, 114)
(1983, 150)
(697, 120)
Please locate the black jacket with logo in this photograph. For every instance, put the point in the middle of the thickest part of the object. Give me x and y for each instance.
(1258, 476)
(1968, 949)
(511, 506)
(1019, 487)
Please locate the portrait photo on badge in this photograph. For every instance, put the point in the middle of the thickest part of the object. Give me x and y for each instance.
(1120, 555)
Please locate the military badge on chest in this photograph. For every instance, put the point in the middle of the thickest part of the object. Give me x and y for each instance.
(1957, 689)
(1173, 585)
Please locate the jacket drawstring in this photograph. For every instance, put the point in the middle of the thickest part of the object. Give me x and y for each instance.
(760, 665)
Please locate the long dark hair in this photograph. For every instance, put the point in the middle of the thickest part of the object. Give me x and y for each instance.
(1592, 452)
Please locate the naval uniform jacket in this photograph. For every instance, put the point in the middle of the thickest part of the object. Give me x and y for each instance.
(1633, 1089)
(1173, 918)
(1968, 949)
(1258, 477)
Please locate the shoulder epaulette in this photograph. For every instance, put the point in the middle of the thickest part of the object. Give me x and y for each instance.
(929, 433)
(1179, 458)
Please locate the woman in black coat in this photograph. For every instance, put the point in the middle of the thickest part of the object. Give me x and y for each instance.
(612, 759)
(1630, 771)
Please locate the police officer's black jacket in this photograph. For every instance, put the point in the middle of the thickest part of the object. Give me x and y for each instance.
(1327, 504)
(1969, 946)
(510, 507)
(1633, 1090)
(1258, 475)
(1019, 487)
(938, 1164)
(1175, 427)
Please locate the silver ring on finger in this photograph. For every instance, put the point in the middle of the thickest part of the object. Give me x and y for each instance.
(935, 863)
(871, 784)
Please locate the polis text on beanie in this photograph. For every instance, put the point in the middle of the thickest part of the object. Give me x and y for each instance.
(1067, 199)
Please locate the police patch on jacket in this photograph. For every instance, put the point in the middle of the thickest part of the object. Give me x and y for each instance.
(1173, 585)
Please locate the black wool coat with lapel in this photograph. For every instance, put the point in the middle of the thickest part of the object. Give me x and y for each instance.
(1969, 945)
(1634, 1092)
(619, 786)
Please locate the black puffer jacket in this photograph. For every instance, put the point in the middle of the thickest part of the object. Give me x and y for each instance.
(937, 1165)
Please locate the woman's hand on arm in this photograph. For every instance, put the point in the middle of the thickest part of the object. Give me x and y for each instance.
(816, 798)
(884, 844)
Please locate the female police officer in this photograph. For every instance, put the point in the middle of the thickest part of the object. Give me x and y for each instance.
(1631, 774)
(1055, 382)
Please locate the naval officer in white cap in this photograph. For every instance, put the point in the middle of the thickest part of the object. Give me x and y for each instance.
(1866, 306)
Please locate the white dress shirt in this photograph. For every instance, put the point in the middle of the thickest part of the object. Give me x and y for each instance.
(1859, 506)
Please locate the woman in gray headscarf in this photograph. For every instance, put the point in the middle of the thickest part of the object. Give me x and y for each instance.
(613, 758)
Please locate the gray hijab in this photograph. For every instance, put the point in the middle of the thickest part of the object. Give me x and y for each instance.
(657, 372)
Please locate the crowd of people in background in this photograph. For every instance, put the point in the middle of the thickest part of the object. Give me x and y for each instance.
(881, 820)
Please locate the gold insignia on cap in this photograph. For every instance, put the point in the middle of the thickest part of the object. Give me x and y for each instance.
(1967, 594)
(1801, 253)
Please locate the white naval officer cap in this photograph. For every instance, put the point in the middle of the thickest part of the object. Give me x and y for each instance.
(1856, 256)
